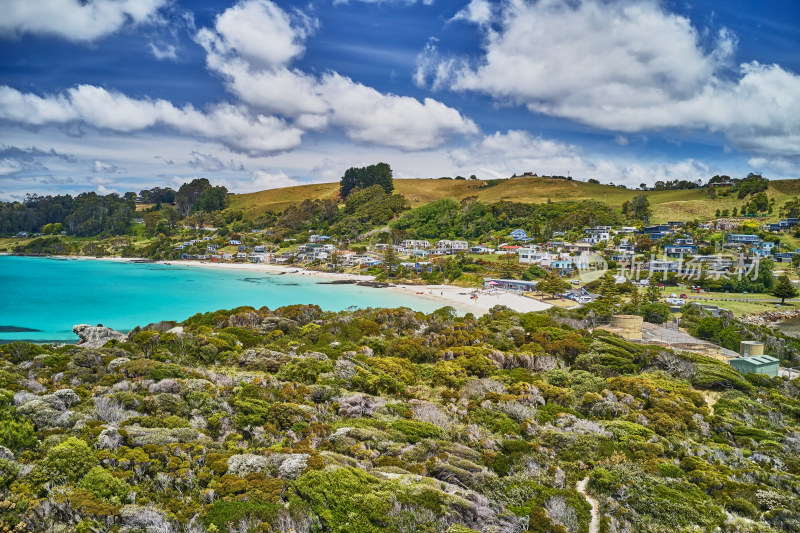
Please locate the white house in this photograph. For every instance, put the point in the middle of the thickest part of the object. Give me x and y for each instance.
(453, 245)
(533, 255)
(414, 244)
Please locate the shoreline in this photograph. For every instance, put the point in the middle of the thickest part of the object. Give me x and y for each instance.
(446, 295)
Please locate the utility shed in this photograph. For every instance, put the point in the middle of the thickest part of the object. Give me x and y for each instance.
(760, 364)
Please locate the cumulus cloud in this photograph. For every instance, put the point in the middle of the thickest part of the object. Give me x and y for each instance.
(262, 77)
(502, 154)
(627, 67)
(231, 125)
(73, 20)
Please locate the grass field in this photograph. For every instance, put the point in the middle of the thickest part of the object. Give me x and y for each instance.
(666, 205)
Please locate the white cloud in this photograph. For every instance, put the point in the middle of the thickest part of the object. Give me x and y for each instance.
(628, 67)
(515, 151)
(230, 125)
(407, 2)
(105, 168)
(211, 163)
(477, 11)
(9, 166)
(263, 78)
(74, 20)
(168, 51)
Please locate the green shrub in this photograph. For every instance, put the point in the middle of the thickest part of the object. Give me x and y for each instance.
(102, 484)
(71, 459)
(414, 430)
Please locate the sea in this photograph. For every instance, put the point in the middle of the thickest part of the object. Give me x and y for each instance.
(42, 298)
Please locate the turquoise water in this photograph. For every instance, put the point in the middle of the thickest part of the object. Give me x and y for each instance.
(51, 295)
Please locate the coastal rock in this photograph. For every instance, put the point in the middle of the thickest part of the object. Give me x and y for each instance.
(96, 336)
(768, 317)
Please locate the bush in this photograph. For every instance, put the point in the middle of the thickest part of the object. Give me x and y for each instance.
(102, 484)
(415, 431)
(71, 460)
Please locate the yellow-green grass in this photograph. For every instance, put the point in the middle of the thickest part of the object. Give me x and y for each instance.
(680, 205)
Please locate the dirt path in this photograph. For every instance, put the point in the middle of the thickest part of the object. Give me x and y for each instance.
(594, 525)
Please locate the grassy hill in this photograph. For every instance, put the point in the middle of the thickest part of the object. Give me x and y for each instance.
(667, 205)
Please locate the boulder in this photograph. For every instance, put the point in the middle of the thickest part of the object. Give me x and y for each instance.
(96, 336)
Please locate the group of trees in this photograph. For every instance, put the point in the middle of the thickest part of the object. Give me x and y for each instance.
(361, 178)
(200, 195)
(86, 215)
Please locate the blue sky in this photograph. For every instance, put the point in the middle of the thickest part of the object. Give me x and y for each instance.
(119, 95)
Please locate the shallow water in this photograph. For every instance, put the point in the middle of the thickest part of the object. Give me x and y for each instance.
(51, 295)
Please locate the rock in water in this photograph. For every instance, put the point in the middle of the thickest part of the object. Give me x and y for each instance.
(96, 336)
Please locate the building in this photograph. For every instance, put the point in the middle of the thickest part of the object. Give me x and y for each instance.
(318, 238)
(532, 255)
(759, 364)
(413, 244)
(510, 284)
(676, 250)
(738, 238)
(519, 235)
(481, 250)
(452, 245)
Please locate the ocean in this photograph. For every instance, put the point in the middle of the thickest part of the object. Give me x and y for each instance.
(42, 298)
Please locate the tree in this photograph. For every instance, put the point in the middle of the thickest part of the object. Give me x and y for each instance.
(389, 257)
(640, 207)
(784, 288)
(608, 290)
(552, 284)
(653, 292)
(508, 263)
(361, 178)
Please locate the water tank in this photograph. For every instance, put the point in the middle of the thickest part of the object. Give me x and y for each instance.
(628, 326)
(751, 348)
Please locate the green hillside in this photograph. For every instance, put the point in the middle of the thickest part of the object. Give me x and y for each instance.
(667, 205)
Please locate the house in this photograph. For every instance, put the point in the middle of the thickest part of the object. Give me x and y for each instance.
(242, 248)
(416, 244)
(577, 247)
(661, 265)
(259, 249)
(453, 245)
(509, 248)
(234, 242)
(737, 238)
(675, 250)
(563, 267)
(241, 255)
(784, 257)
(262, 257)
(532, 255)
(626, 229)
(318, 238)
(684, 242)
(675, 224)
(518, 235)
(481, 250)
(211, 247)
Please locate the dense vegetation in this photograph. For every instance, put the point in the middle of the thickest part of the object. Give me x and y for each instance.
(88, 214)
(390, 420)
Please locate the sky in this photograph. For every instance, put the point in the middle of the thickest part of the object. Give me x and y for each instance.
(123, 95)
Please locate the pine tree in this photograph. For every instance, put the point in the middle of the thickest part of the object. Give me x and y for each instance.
(653, 293)
(608, 290)
(635, 302)
(552, 284)
(784, 288)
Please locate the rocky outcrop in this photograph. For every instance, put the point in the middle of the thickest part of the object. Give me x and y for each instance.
(96, 336)
(768, 317)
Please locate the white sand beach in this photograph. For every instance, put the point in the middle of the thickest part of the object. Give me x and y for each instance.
(458, 297)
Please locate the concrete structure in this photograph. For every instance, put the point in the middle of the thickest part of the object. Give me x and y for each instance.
(751, 348)
(628, 327)
(761, 364)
